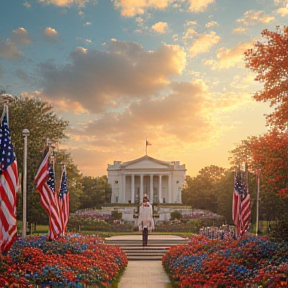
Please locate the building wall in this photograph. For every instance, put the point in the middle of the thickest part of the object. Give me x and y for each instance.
(121, 180)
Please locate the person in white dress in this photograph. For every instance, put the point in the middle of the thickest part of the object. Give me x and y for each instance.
(145, 220)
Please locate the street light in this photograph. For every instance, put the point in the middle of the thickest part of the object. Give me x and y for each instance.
(25, 134)
(5, 97)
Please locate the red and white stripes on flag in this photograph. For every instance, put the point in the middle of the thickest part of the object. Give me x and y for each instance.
(236, 208)
(48, 197)
(8, 202)
(64, 200)
(9, 184)
(245, 214)
(241, 210)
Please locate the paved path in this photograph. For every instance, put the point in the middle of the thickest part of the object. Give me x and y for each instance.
(146, 273)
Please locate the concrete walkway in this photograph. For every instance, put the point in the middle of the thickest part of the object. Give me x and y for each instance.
(146, 273)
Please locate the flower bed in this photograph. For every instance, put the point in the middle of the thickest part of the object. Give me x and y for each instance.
(250, 262)
(73, 261)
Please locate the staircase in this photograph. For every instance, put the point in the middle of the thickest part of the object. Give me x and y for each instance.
(156, 248)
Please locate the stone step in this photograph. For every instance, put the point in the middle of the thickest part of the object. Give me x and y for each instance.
(154, 251)
(144, 257)
(140, 248)
(139, 242)
(145, 251)
(145, 254)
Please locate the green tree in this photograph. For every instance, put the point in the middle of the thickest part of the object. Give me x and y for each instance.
(200, 191)
(86, 199)
(94, 191)
(38, 117)
(241, 155)
(74, 178)
(224, 191)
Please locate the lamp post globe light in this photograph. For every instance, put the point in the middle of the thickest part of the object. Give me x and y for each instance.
(25, 134)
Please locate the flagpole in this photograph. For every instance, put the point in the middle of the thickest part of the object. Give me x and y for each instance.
(25, 134)
(257, 203)
(147, 143)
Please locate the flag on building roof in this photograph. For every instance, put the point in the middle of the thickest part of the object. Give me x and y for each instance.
(8, 188)
(148, 143)
(64, 200)
(241, 210)
(45, 185)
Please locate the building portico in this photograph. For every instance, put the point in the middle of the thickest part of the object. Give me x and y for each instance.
(162, 181)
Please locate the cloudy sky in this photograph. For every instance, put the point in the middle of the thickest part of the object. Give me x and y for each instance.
(123, 70)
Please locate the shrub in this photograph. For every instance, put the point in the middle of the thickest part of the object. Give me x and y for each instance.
(281, 230)
(194, 225)
(87, 223)
(116, 215)
(176, 215)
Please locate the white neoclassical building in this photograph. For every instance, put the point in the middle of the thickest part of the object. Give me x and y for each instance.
(162, 181)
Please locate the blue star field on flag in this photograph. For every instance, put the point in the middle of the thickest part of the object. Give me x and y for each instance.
(239, 186)
(63, 188)
(6, 147)
(51, 179)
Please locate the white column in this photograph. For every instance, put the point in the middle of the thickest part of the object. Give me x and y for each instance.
(151, 188)
(124, 190)
(132, 189)
(169, 189)
(141, 188)
(160, 189)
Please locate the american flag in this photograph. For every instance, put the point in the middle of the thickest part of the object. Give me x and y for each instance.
(241, 210)
(64, 200)
(148, 143)
(8, 188)
(45, 185)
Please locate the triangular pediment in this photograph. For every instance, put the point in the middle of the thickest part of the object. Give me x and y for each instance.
(145, 162)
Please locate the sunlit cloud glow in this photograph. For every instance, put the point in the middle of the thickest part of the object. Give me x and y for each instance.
(20, 36)
(283, 11)
(9, 50)
(254, 17)
(231, 57)
(239, 30)
(211, 24)
(50, 34)
(64, 3)
(132, 8)
(160, 27)
(199, 5)
(124, 71)
(202, 43)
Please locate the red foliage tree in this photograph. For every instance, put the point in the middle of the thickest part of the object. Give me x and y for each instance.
(269, 152)
(269, 60)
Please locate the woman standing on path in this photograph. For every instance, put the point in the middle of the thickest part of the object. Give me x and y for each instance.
(145, 220)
